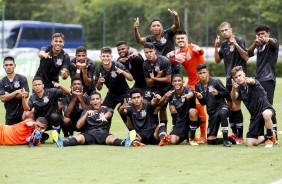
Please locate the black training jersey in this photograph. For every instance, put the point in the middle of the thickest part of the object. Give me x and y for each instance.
(165, 44)
(161, 64)
(90, 73)
(143, 120)
(232, 57)
(49, 68)
(93, 122)
(46, 105)
(213, 103)
(267, 56)
(77, 110)
(255, 99)
(135, 67)
(181, 104)
(13, 107)
(116, 83)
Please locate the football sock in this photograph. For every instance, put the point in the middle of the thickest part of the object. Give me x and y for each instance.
(203, 127)
(274, 121)
(215, 141)
(174, 117)
(162, 132)
(70, 142)
(119, 142)
(193, 126)
(224, 123)
(238, 117)
(268, 134)
(232, 123)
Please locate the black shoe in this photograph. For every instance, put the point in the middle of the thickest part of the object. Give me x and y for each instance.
(227, 144)
(44, 138)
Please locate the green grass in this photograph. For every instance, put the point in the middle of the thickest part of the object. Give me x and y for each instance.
(151, 164)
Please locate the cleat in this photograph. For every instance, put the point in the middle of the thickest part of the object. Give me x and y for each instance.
(268, 144)
(227, 143)
(137, 144)
(130, 138)
(201, 140)
(57, 138)
(232, 138)
(165, 140)
(239, 140)
(193, 142)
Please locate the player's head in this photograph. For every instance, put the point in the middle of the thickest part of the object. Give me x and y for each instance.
(106, 55)
(95, 100)
(57, 42)
(136, 96)
(150, 51)
(202, 72)
(181, 38)
(238, 74)
(122, 48)
(76, 84)
(9, 64)
(262, 31)
(41, 124)
(225, 29)
(37, 84)
(177, 81)
(81, 54)
(156, 27)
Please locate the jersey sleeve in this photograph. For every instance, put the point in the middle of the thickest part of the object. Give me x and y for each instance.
(2, 90)
(166, 67)
(72, 69)
(222, 91)
(24, 84)
(66, 61)
(90, 69)
(46, 48)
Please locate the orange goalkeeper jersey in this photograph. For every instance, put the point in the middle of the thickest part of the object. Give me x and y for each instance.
(15, 134)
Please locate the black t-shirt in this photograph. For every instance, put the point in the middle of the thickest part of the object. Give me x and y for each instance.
(49, 68)
(46, 105)
(116, 83)
(77, 110)
(232, 57)
(135, 67)
(165, 44)
(143, 120)
(181, 104)
(255, 99)
(93, 123)
(161, 64)
(90, 73)
(13, 107)
(267, 56)
(213, 103)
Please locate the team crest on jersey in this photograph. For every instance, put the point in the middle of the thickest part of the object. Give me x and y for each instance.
(45, 99)
(143, 113)
(183, 99)
(163, 40)
(79, 106)
(231, 48)
(113, 74)
(16, 84)
(101, 115)
(188, 57)
(210, 88)
(147, 93)
(157, 68)
(59, 61)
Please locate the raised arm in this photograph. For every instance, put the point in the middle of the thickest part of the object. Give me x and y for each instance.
(138, 38)
(176, 23)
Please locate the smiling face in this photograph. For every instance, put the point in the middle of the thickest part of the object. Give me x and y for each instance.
(177, 83)
(123, 50)
(57, 43)
(181, 40)
(106, 58)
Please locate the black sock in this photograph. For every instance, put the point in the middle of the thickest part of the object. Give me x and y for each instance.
(211, 142)
(232, 123)
(193, 126)
(119, 142)
(162, 132)
(274, 121)
(238, 115)
(224, 123)
(215, 141)
(70, 142)
(174, 117)
(268, 134)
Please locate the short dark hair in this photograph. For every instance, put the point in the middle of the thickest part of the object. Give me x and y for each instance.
(56, 35)
(37, 78)
(149, 45)
(80, 49)
(95, 93)
(75, 79)
(200, 67)
(236, 69)
(119, 43)
(106, 50)
(9, 58)
(135, 90)
(155, 19)
(180, 32)
(42, 120)
(177, 75)
(262, 27)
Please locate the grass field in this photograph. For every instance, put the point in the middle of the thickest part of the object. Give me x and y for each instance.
(150, 164)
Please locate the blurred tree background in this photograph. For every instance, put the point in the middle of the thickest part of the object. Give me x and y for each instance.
(107, 21)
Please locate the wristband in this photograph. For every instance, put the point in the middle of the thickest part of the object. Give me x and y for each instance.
(78, 71)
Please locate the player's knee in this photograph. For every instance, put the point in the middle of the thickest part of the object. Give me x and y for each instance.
(66, 121)
(267, 114)
(193, 114)
(55, 119)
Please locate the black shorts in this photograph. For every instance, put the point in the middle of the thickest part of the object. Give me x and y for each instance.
(14, 120)
(256, 127)
(180, 129)
(148, 137)
(111, 100)
(214, 122)
(229, 88)
(148, 93)
(95, 136)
